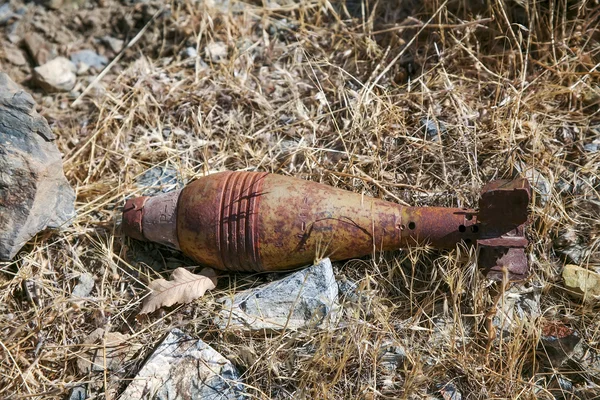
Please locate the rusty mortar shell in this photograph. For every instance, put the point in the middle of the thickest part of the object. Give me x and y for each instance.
(256, 221)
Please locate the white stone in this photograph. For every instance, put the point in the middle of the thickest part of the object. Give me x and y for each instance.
(57, 75)
(185, 368)
(302, 299)
(85, 286)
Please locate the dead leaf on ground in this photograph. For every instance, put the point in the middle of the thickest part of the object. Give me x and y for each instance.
(182, 288)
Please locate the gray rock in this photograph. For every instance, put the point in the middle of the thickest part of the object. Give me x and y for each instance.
(565, 384)
(77, 393)
(592, 147)
(85, 286)
(6, 14)
(159, 180)
(35, 195)
(85, 59)
(185, 368)
(302, 299)
(431, 129)
(57, 75)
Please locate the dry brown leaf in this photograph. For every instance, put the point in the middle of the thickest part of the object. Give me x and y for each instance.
(182, 288)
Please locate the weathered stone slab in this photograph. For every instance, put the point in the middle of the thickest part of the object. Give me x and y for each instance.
(302, 299)
(183, 368)
(34, 193)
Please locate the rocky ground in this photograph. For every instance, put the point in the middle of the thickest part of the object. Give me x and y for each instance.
(420, 102)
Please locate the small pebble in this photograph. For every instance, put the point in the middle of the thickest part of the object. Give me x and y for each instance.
(431, 129)
(57, 75)
(85, 286)
(88, 58)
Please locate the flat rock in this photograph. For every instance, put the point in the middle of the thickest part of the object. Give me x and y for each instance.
(57, 75)
(592, 147)
(35, 195)
(582, 282)
(302, 299)
(185, 368)
(14, 55)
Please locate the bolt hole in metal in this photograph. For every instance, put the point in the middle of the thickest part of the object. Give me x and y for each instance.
(412, 225)
(469, 217)
(462, 228)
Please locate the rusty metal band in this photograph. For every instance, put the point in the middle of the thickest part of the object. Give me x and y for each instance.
(133, 215)
(237, 232)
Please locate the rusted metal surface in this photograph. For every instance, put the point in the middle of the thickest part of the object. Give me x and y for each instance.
(160, 219)
(503, 212)
(133, 214)
(251, 221)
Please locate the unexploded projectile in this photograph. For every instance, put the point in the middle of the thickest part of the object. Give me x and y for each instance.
(257, 221)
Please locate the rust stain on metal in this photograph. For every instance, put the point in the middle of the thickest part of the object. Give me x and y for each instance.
(251, 221)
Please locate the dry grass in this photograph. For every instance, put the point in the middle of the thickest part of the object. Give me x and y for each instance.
(308, 90)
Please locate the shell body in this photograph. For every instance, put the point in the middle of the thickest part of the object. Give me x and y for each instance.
(253, 221)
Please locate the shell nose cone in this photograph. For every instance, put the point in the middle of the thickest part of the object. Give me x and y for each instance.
(133, 216)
